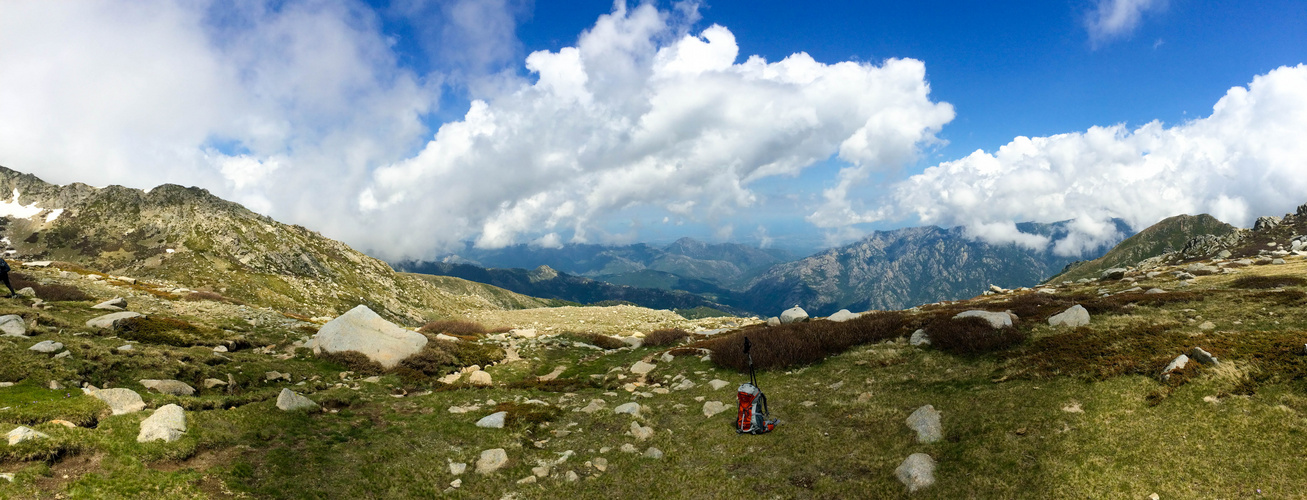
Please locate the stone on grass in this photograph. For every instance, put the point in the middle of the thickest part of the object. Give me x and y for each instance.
(926, 422)
(21, 433)
(718, 384)
(641, 433)
(594, 406)
(451, 378)
(793, 315)
(26, 291)
(1115, 273)
(493, 420)
(642, 368)
(1206, 325)
(366, 332)
(114, 304)
(13, 326)
(168, 423)
(773, 321)
(220, 348)
(916, 472)
(109, 320)
(996, 319)
(558, 370)
(479, 377)
(46, 346)
(919, 338)
(172, 387)
(63, 355)
(842, 316)
(288, 400)
(457, 468)
(121, 401)
(64, 423)
(1153, 291)
(1204, 357)
(125, 348)
(711, 408)
(631, 408)
(210, 383)
(653, 453)
(1073, 317)
(491, 461)
(1176, 364)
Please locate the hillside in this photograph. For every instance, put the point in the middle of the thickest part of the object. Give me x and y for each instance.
(903, 268)
(1168, 235)
(187, 235)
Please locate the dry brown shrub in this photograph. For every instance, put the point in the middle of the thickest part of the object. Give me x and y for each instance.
(665, 337)
(453, 327)
(49, 293)
(354, 361)
(1264, 282)
(215, 297)
(601, 340)
(971, 336)
(798, 344)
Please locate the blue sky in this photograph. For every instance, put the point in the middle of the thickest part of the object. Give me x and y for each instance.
(406, 126)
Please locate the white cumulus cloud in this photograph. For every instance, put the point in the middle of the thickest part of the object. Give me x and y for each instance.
(1248, 158)
(1114, 19)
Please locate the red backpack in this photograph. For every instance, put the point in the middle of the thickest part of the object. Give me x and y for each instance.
(752, 417)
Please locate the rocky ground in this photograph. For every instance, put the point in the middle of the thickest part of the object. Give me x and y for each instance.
(233, 402)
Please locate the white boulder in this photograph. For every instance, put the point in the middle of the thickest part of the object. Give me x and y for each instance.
(121, 401)
(919, 338)
(480, 377)
(926, 422)
(793, 315)
(916, 472)
(364, 331)
(1074, 317)
(995, 319)
(842, 316)
(167, 423)
(493, 420)
(12, 325)
(46, 346)
(21, 433)
(288, 400)
(109, 320)
(491, 461)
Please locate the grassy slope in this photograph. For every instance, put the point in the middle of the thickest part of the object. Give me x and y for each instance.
(1168, 235)
(1007, 433)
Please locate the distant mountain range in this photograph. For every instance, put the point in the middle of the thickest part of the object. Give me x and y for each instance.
(1168, 235)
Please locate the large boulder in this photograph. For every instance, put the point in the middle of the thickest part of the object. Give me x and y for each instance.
(167, 423)
(12, 325)
(1115, 273)
(364, 331)
(46, 346)
(916, 472)
(842, 316)
(1073, 317)
(109, 320)
(170, 387)
(926, 422)
(493, 421)
(289, 401)
(919, 338)
(995, 319)
(121, 401)
(793, 315)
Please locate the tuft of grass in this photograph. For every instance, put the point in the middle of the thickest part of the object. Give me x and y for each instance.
(527, 414)
(665, 337)
(971, 336)
(453, 327)
(155, 330)
(28, 404)
(354, 361)
(217, 297)
(798, 344)
(1265, 282)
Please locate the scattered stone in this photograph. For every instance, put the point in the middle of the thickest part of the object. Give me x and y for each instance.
(457, 469)
(114, 304)
(172, 387)
(1206, 325)
(808, 404)
(109, 320)
(926, 422)
(1152, 291)
(167, 423)
(1176, 364)
(527, 480)
(864, 397)
(1073, 407)
(21, 433)
(641, 433)
(773, 321)
(632, 408)
(919, 338)
(642, 368)
(491, 461)
(628, 448)
(1075, 316)
(653, 453)
(54, 385)
(996, 319)
(210, 383)
(121, 401)
(1223, 254)
(571, 476)
(451, 378)
(842, 316)
(683, 385)
(1198, 269)
(667, 357)
(718, 384)
(1113, 274)
(288, 400)
(26, 291)
(558, 370)
(13, 326)
(711, 408)
(600, 463)
(64, 423)
(63, 355)
(594, 406)
(1278, 262)
(46, 346)
(493, 420)
(525, 333)
(480, 377)
(1204, 357)
(916, 472)
(125, 348)
(447, 338)
(365, 331)
(220, 348)
(276, 375)
(793, 315)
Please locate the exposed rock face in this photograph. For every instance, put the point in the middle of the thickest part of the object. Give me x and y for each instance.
(288, 400)
(1264, 223)
(364, 331)
(916, 472)
(1076, 316)
(926, 422)
(109, 320)
(167, 423)
(995, 319)
(793, 315)
(173, 387)
(121, 401)
(12, 325)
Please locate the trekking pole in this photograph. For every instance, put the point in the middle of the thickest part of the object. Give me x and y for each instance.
(752, 379)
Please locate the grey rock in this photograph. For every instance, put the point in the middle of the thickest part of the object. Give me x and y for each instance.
(1153, 291)
(1278, 262)
(919, 338)
(21, 433)
(1115, 273)
(842, 316)
(1176, 364)
(926, 422)
(493, 420)
(996, 319)
(1181, 275)
(26, 291)
(125, 348)
(1266, 222)
(773, 321)
(62, 355)
(109, 320)
(121, 401)
(13, 326)
(916, 472)
(1198, 269)
(366, 332)
(1223, 254)
(641, 433)
(210, 383)
(491, 461)
(480, 377)
(642, 368)
(288, 400)
(631, 408)
(168, 423)
(46, 346)
(114, 304)
(1202, 356)
(1075, 316)
(718, 384)
(711, 408)
(793, 315)
(54, 385)
(1206, 325)
(173, 387)
(653, 453)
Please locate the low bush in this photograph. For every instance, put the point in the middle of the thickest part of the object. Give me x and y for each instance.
(527, 414)
(701, 312)
(472, 353)
(1264, 282)
(432, 361)
(154, 330)
(798, 344)
(49, 293)
(601, 340)
(354, 361)
(215, 297)
(1142, 348)
(971, 336)
(453, 327)
(665, 337)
